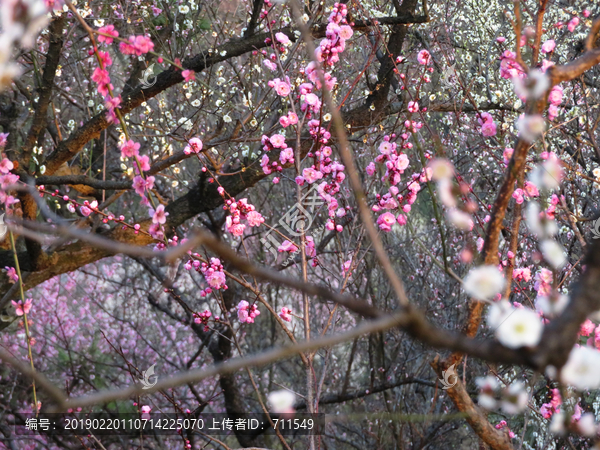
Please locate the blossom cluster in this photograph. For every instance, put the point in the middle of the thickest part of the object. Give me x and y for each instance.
(458, 210)
(337, 33)
(396, 162)
(240, 210)
(213, 274)
(7, 178)
(20, 22)
(203, 318)
(246, 312)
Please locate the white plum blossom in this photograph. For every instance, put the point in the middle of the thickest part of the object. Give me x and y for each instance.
(281, 401)
(483, 282)
(532, 87)
(547, 176)
(549, 306)
(554, 253)
(497, 312)
(514, 399)
(587, 425)
(487, 386)
(514, 327)
(557, 425)
(8, 71)
(460, 219)
(531, 127)
(520, 327)
(541, 227)
(441, 169)
(582, 369)
(445, 192)
(23, 20)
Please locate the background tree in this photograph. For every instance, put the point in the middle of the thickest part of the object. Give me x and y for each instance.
(387, 209)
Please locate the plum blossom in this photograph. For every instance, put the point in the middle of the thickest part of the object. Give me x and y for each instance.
(282, 38)
(509, 68)
(514, 398)
(277, 141)
(203, 318)
(551, 305)
(549, 46)
(548, 175)
(573, 24)
(502, 425)
(441, 169)
(159, 216)
(6, 165)
(194, 146)
(254, 218)
(287, 246)
(424, 57)
(488, 127)
(140, 185)
(554, 253)
(518, 327)
(522, 274)
(487, 391)
(587, 328)
(247, 313)
(582, 368)
(413, 107)
(549, 409)
(88, 207)
(240, 210)
(460, 219)
(518, 195)
(11, 273)
(532, 87)
(129, 149)
(483, 282)
(110, 30)
(188, 75)
(282, 401)
(233, 226)
(281, 87)
(213, 274)
(539, 223)
(311, 175)
(530, 127)
(136, 45)
(286, 314)
(145, 410)
(22, 308)
(386, 221)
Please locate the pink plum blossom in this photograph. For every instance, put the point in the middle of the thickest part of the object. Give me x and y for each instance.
(385, 221)
(194, 146)
(129, 149)
(548, 46)
(110, 30)
(286, 314)
(22, 308)
(424, 57)
(159, 216)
